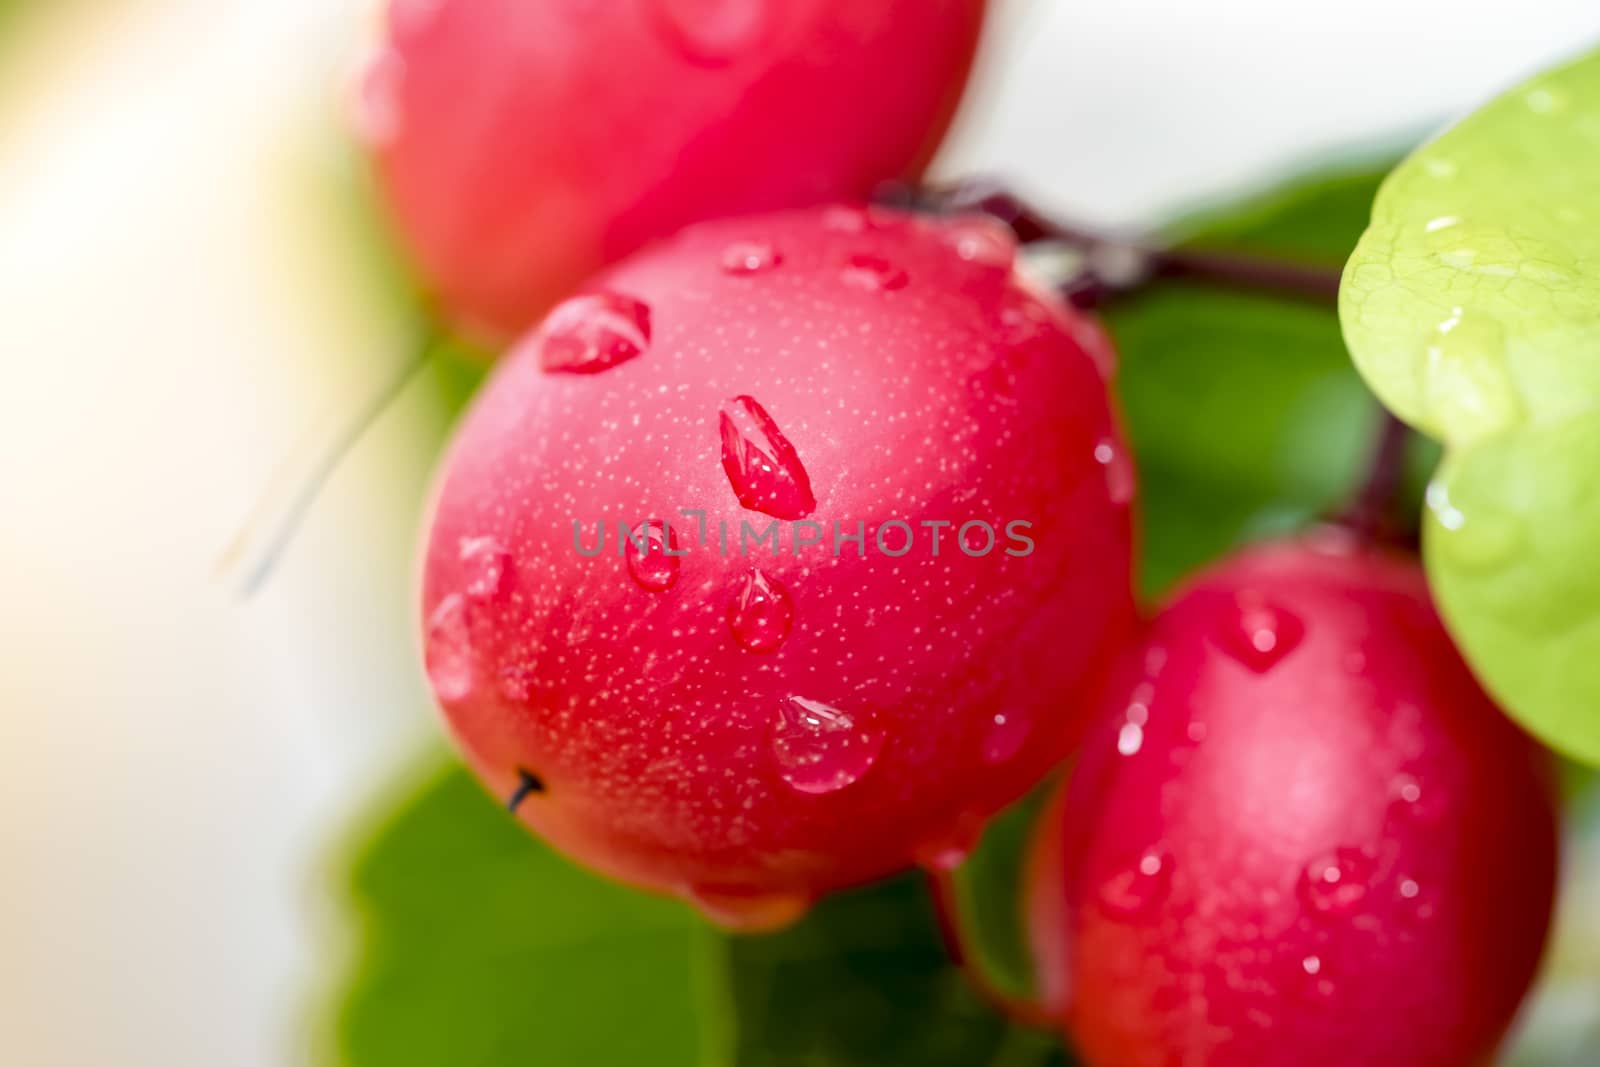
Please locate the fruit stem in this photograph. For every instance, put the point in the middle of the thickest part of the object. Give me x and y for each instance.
(1104, 267)
(1372, 513)
(946, 896)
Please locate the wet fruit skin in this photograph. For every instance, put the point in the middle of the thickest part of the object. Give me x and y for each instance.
(522, 146)
(1343, 854)
(673, 714)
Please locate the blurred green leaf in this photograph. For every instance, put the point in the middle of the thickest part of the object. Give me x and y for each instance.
(480, 947)
(1244, 412)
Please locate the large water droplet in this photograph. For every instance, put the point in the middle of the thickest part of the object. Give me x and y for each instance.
(1261, 634)
(750, 257)
(1139, 888)
(486, 566)
(762, 466)
(447, 650)
(873, 274)
(1467, 386)
(762, 613)
(593, 332)
(1118, 469)
(747, 911)
(1004, 734)
(652, 558)
(713, 33)
(1336, 884)
(820, 748)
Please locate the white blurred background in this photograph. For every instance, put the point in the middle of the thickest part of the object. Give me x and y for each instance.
(176, 768)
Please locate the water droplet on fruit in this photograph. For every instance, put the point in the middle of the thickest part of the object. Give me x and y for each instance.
(1261, 634)
(953, 848)
(1315, 980)
(1130, 739)
(762, 466)
(820, 748)
(516, 682)
(448, 650)
(1417, 905)
(1004, 735)
(1426, 806)
(1140, 888)
(762, 613)
(713, 33)
(593, 332)
(1118, 468)
(486, 566)
(1480, 540)
(1467, 388)
(844, 219)
(981, 241)
(376, 111)
(655, 566)
(1444, 512)
(749, 257)
(1336, 884)
(874, 274)
(1542, 101)
(747, 911)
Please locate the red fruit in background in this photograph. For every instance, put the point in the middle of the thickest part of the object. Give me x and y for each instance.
(524, 145)
(1301, 836)
(752, 730)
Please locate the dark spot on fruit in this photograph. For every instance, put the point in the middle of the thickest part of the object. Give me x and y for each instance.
(529, 784)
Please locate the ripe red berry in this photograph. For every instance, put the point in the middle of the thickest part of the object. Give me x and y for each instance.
(749, 727)
(523, 146)
(1301, 836)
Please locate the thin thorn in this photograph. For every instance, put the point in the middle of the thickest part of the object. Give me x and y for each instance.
(530, 785)
(260, 543)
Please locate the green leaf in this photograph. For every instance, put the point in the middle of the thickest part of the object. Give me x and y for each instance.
(1243, 410)
(481, 947)
(1472, 306)
(478, 946)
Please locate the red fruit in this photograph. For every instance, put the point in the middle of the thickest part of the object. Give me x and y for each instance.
(751, 731)
(1301, 836)
(523, 145)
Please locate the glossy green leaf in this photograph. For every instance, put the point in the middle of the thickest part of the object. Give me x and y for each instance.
(1472, 306)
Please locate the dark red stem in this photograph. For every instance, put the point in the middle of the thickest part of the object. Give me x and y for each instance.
(1114, 266)
(1373, 514)
(952, 930)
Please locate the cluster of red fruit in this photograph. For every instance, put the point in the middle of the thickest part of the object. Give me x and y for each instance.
(1296, 830)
